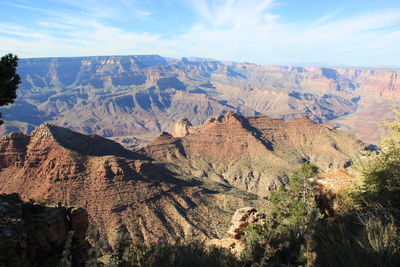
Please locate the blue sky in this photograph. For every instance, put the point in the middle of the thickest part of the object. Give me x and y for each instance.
(352, 32)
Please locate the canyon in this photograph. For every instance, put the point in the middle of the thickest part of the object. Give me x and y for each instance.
(184, 186)
(168, 149)
(132, 99)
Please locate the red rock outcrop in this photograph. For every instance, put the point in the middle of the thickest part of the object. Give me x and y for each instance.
(255, 154)
(14, 147)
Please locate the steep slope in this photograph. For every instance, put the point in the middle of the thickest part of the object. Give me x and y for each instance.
(256, 153)
(114, 185)
(141, 96)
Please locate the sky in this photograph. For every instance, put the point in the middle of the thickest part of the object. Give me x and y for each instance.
(298, 32)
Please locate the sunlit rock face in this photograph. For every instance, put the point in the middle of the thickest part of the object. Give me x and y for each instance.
(255, 154)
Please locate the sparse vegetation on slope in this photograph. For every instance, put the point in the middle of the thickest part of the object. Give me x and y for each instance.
(286, 235)
(380, 171)
(368, 230)
(365, 231)
(174, 255)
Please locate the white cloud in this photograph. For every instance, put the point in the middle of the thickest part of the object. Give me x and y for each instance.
(232, 13)
(228, 30)
(325, 18)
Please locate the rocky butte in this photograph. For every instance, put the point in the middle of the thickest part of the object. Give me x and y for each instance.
(255, 154)
(181, 186)
(132, 99)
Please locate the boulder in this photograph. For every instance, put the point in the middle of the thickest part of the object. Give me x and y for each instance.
(181, 128)
(242, 218)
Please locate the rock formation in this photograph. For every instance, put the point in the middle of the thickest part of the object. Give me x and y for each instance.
(255, 154)
(181, 128)
(242, 218)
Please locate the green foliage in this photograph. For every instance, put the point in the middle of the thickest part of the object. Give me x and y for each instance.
(380, 171)
(128, 253)
(383, 240)
(364, 235)
(9, 80)
(285, 236)
(191, 254)
(367, 237)
(367, 231)
(66, 260)
(291, 206)
(96, 249)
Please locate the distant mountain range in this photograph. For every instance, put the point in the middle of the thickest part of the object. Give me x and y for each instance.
(132, 99)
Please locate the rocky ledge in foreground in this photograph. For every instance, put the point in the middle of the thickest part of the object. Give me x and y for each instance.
(35, 235)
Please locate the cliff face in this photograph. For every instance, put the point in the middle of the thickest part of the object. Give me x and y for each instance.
(255, 154)
(141, 96)
(378, 82)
